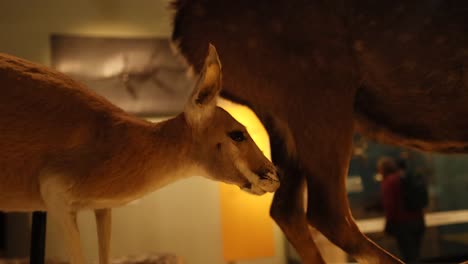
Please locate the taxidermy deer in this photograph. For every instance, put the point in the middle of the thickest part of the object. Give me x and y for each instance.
(315, 72)
(66, 149)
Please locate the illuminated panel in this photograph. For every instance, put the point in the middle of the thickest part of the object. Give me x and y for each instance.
(247, 229)
(373, 225)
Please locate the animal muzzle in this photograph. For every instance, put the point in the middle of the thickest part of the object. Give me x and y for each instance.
(268, 180)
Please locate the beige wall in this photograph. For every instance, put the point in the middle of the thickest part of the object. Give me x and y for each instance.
(183, 218)
(27, 24)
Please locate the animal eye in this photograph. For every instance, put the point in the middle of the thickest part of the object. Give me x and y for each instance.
(237, 136)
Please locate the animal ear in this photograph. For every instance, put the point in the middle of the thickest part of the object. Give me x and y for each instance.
(202, 102)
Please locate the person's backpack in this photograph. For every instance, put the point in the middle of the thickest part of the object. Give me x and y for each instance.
(414, 191)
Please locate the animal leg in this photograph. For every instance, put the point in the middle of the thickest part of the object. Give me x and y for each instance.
(288, 212)
(326, 167)
(103, 223)
(56, 204)
(329, 212)
(67, 220)
(288, 208)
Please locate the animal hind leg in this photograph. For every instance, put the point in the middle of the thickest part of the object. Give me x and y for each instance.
(103, 223)
(332, 217)
(326, 167)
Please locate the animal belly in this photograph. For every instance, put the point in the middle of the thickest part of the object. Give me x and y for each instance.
(19, 187)
(12, 200)
(433, 120)
(101, 204)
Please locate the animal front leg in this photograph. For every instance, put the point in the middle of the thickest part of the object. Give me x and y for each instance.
(288, 208)
(103, 223)
(67, 220)
(56, 202)
(288, 212)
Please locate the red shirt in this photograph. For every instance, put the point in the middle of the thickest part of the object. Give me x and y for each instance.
(392, 200)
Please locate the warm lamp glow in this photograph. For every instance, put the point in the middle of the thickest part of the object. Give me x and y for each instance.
(247, 228)
(247, 117)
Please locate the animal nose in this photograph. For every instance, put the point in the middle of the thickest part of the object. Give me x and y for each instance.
(268, 175)
(268, 180)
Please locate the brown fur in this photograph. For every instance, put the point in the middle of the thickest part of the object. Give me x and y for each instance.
(392, 70)
(63, 148)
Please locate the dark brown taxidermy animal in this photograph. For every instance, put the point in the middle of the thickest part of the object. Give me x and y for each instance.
(315, 72)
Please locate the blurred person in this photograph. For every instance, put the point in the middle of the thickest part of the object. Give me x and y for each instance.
(405, 224)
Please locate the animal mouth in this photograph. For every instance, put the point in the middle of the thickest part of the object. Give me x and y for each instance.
(247, 186)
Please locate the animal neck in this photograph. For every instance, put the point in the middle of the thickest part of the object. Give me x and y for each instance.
(146, 157)
(171, 155)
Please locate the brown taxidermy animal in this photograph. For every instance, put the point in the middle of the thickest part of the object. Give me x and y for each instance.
(66, 149)
(315, 72)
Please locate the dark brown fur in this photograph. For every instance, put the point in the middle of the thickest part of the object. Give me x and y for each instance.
(395, 71)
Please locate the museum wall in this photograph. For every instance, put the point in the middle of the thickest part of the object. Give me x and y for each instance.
(183, 218)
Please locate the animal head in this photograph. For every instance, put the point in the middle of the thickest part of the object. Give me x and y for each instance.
(222, 146)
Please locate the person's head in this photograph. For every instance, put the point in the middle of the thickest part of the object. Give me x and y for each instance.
(401, 164)
(386, 166)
